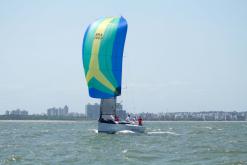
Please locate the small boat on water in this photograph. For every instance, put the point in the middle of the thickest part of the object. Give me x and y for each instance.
(102, 54)
(107, 122)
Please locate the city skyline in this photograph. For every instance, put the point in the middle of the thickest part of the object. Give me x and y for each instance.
(183, 56)
(64, 110)
(92, 112)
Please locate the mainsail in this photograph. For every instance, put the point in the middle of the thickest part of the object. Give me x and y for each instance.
(102, 51)
(107, 107)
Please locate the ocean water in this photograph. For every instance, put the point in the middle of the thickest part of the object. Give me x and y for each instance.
(168, 143)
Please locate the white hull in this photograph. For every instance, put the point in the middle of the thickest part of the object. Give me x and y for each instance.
(113, 128)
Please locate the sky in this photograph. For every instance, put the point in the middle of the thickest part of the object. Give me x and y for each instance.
(179, 55)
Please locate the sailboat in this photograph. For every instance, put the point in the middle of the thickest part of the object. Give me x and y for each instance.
(102, 53)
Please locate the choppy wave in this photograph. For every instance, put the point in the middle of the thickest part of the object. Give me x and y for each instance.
(80, 143)
(163, 132)
(13, 158)
(208, 127)
(125, 132)
(93, 130)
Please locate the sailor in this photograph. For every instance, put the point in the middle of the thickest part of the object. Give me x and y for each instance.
(111, 119)
(140, 120)
(134, 119)
(128, 118)
(116, 118)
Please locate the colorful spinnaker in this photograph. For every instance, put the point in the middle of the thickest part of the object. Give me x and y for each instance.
(102, 53)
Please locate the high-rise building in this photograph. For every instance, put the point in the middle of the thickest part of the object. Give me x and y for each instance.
(17, 112)
(7, 112)
(92, 111)
(58, 111)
